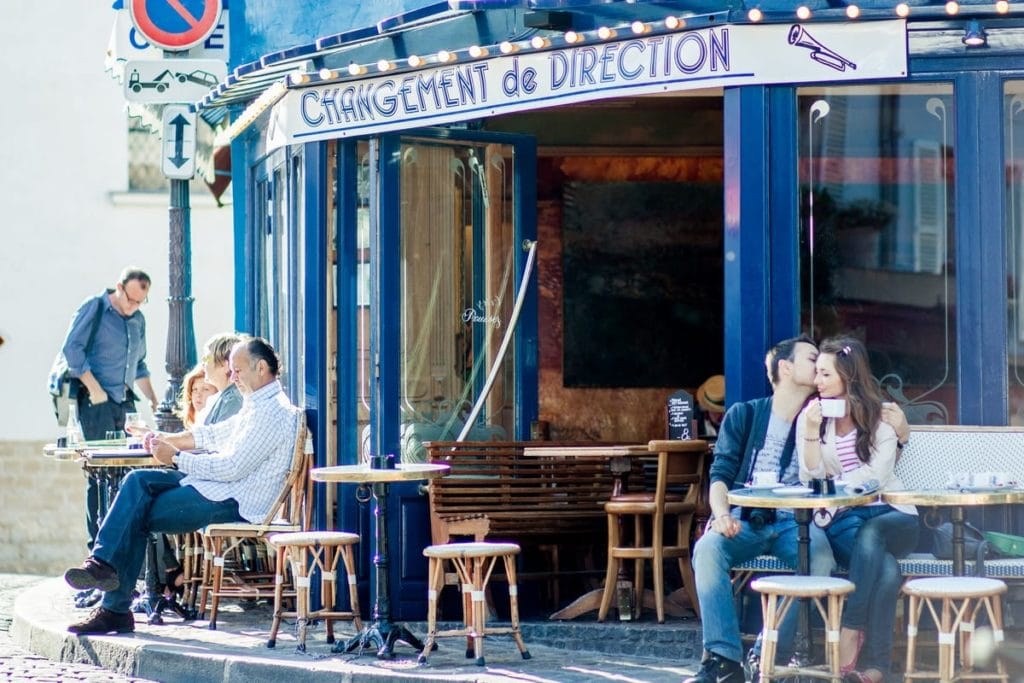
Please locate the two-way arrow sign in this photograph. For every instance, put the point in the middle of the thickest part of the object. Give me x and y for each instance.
(178, 160)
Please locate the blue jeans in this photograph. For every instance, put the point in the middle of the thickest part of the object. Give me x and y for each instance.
(96, 422)
(868, 540)
(151, 501)
(715, 554)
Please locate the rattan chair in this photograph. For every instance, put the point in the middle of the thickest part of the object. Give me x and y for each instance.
(253, 576)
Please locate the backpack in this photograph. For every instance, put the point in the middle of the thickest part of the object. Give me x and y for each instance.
(63, 387)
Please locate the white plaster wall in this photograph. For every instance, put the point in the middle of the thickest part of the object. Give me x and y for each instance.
(63, 151)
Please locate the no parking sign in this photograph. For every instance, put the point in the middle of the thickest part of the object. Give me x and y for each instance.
(175, 24)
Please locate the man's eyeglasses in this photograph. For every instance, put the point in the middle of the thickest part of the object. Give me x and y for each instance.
(137, 302)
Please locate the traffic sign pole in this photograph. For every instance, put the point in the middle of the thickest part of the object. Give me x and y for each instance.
(176, 26)
(181, 337)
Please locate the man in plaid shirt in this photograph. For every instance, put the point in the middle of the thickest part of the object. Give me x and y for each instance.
(242, 467)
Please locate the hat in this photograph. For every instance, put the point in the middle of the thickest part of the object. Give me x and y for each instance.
(711, 394)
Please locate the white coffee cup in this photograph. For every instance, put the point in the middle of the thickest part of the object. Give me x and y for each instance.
(833, 407)
(764, 479)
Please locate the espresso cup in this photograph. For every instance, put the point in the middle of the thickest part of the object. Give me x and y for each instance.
(763, 479)
(833, 407)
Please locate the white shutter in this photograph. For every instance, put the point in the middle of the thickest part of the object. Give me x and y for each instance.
(929, 207)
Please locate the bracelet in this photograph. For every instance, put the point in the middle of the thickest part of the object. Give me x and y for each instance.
(811, 438)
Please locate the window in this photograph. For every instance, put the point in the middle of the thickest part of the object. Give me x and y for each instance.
(876, 221)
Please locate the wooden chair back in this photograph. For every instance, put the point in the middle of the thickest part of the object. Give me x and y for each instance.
(681, 469)
(293, 504)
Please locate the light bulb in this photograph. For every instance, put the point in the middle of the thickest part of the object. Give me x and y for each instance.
(672, 23)
(476, 52)
(604, 33)
(902, 10)
(952, 8)
(572, 37)
(415, 61)
(852, 11)
(803, 12)
(755, 15)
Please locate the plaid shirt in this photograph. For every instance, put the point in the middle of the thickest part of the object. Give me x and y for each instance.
(250, 453)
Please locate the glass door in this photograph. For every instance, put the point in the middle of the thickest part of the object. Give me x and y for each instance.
(458, 286)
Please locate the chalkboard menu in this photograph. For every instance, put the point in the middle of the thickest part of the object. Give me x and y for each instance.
(680, 415)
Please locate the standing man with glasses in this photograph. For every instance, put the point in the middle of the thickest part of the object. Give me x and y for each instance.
(107, 370)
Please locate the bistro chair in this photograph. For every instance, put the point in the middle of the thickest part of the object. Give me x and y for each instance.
(778, 595)
(954, 604)
(679, 464)
(301, 552)
(290, 512)
(474, 563)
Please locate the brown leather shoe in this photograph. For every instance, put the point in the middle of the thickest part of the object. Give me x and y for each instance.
(101, 620)
(93, 573)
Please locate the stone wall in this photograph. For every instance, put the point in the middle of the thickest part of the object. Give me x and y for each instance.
(42, 529)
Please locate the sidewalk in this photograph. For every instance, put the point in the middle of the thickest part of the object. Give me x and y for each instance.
(577, 651)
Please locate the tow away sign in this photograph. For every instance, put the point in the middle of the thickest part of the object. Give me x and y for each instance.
(168, 81)
(178, 160)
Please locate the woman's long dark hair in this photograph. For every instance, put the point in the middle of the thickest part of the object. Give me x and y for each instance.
(862, 394)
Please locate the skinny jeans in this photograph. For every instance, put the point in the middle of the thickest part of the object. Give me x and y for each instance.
(868, 540)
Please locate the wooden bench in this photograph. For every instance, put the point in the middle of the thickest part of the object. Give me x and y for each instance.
(931, 456)
(493, 489)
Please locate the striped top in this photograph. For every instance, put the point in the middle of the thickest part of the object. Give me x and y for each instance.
(846, 451)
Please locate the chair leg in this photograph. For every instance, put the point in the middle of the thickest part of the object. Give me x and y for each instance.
(686, 564)
(513, 604)
(300, 573)
(328, 584)
(476, 571)
(278, 594)
(612, 572)
(658, 548)
(348, 557)
(914, 606)
(769, 609)
(218, 577)
(435, 581)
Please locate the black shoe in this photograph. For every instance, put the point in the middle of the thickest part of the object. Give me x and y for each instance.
(101, 620)
(718, 669)
(93, 573)
(752, 666)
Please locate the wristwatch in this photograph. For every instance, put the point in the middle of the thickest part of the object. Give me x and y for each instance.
(174, 459)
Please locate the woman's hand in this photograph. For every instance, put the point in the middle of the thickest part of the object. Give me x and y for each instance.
(812, 416)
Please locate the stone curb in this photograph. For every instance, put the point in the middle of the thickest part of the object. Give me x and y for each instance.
(170, 653)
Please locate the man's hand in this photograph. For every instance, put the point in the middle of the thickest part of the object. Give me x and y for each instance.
(98, 397)
(161, 450)
(897, 419)
(726, 524)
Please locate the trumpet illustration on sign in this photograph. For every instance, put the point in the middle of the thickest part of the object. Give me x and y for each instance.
(799, 36)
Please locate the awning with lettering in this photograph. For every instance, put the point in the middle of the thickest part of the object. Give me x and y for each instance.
(670, 61)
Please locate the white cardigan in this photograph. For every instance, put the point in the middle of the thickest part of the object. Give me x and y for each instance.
(880, 468)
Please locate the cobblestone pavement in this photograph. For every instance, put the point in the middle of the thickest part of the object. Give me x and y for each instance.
(17, 664)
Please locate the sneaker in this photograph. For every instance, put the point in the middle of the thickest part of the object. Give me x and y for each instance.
(718, 669)
(93, 573)
(752, 666)
(101, 620)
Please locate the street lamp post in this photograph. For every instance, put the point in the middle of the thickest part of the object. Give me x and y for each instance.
(181, 343)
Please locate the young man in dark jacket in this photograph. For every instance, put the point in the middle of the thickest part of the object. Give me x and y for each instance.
(756, 436)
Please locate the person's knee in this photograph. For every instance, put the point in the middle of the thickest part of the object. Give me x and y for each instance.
(710, 557)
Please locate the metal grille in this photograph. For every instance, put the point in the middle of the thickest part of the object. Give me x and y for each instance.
(144, 174)
(144, 149)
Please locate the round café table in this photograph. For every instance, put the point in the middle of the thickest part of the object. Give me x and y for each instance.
(803, 507)
(956, 500)
(382, 633)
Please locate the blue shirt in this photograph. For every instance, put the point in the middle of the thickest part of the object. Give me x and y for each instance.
(118, 354)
